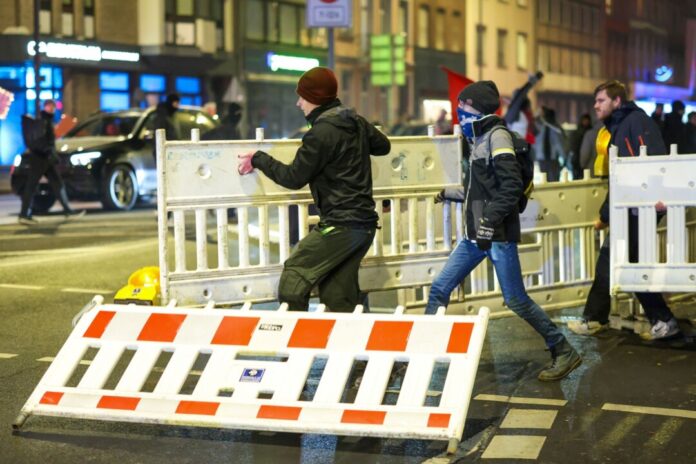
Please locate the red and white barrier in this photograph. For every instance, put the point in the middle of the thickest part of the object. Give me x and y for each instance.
(257, 366)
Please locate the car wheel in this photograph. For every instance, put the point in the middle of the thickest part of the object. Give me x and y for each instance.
(119, 188)
(43, 199)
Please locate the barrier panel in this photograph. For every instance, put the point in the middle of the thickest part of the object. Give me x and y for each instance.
(206, 256)
(637, 185)
(267, 370)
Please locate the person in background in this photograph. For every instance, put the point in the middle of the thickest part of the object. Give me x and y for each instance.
(491, 191)
(42, 160)
(229, 125)
(550, 143)
(674, 131)
(588, 149)
(443, 126)
(334, 159)
(659, 115)
(691, 134)
(628, 127)
(575, 143)
(165, 117)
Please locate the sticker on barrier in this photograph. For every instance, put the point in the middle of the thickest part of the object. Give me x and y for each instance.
(341, 373)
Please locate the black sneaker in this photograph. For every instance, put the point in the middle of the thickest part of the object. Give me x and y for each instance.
(27, 220)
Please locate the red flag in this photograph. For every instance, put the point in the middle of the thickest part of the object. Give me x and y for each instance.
(456, 82)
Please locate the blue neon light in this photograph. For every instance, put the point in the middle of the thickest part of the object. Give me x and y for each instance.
(113, 81)
(188, 85)
(663, 73)
(152, 83)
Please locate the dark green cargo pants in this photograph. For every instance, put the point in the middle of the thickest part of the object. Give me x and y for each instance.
(330, 257)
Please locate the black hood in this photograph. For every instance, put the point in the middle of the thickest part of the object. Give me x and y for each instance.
(620, 114)
(314, 114)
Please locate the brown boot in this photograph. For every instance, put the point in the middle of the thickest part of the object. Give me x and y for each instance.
(564, 359)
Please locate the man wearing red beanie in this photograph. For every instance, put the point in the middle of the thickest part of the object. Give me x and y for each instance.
(334, 159)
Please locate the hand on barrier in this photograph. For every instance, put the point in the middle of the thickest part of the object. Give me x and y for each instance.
(484, 236)
(244, 166)
(599, 225)
(440, 197)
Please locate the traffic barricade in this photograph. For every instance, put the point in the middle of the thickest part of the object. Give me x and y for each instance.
(664, 263)
(267, 370)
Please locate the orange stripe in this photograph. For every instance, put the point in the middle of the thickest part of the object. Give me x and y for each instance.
(118, 402)
(311, 333)
(460, 337)
(161, 327)
(197, 407)
(356, 416)
(98, 326)
(389, 336)
(438, 420)
(278, 412)
(51, 398)
(235, 330)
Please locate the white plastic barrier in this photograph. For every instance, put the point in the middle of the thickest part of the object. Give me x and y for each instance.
(259, 369)
(241, 260)
(637, 184)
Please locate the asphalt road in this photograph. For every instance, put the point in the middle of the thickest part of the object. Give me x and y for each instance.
(630, 401)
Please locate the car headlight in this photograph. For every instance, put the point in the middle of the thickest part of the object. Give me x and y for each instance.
(83, 159)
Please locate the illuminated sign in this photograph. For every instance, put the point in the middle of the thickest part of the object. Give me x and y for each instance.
(290, 63)
(6, 99)
(663, 73)
(81, 52)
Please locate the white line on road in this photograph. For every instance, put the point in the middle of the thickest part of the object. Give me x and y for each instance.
(86, 290)
(650, 410)
(84, 362)
(520, 400)
(7, 355)
(22, 287)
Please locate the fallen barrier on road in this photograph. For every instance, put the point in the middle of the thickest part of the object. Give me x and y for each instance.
(319, 372)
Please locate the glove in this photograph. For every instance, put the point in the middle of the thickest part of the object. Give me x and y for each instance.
(484, 235)
(440, 197)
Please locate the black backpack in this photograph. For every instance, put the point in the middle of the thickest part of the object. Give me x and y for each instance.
(34, 133)
(523, 155)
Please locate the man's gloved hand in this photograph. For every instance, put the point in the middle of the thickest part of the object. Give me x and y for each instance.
(440, 197)
(484, 235)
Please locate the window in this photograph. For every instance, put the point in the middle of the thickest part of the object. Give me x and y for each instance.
(154, 85)
(440, 29)
(502, 45)
(289, 24)
(88, 18)
(423, 26)
(180, 28)
(403, 17)
(555, 12)
(543, 13)
(594, 66)
(217, 14)
(543, 58)
(67, 16)
(480, 44)
(566, 62)
(554, 59)
(608, 7)
(45, 17)
(567, 14)
(522, 51)
(189, 89)
(587, 20)
(254, 23)
(457, 44)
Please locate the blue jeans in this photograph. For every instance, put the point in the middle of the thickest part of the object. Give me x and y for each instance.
(506, 262)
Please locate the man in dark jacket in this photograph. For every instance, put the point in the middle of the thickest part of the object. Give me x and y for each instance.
(42, 160)
(491, 193)
(334, 159)
(229, 125)
(630, 127)
(165, 117)
(674, 130)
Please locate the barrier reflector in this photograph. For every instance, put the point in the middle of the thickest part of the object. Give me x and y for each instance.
(342, 373)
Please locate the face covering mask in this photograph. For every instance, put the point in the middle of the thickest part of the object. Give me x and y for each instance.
(466, 121)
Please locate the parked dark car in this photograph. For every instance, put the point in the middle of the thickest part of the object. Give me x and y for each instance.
(110, 157)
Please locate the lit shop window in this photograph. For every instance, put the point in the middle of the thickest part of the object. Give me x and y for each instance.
(114, 88)
(189, 89)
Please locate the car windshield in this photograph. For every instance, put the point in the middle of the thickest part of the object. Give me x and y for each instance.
(105, 125)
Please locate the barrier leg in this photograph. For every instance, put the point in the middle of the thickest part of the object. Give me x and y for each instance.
(20, 420)
(452, 445)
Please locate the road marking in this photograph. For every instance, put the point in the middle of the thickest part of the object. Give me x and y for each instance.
(649, 410)
(514, 447)
(84, 362)
(611, 440)
(85, 290)
(661, 438)
(521, 400)
(529, 419)
(22, 287)
(7, 355)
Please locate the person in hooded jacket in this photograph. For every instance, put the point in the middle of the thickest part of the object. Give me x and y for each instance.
(629, 128)
(165, 117)
(334, 159)
(491, 192)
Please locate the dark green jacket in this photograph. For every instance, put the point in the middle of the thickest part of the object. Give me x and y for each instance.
(334, 160)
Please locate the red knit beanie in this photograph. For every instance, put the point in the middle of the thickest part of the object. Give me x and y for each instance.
(318, 85)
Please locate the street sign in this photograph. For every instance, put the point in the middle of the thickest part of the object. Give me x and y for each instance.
(329, 13)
